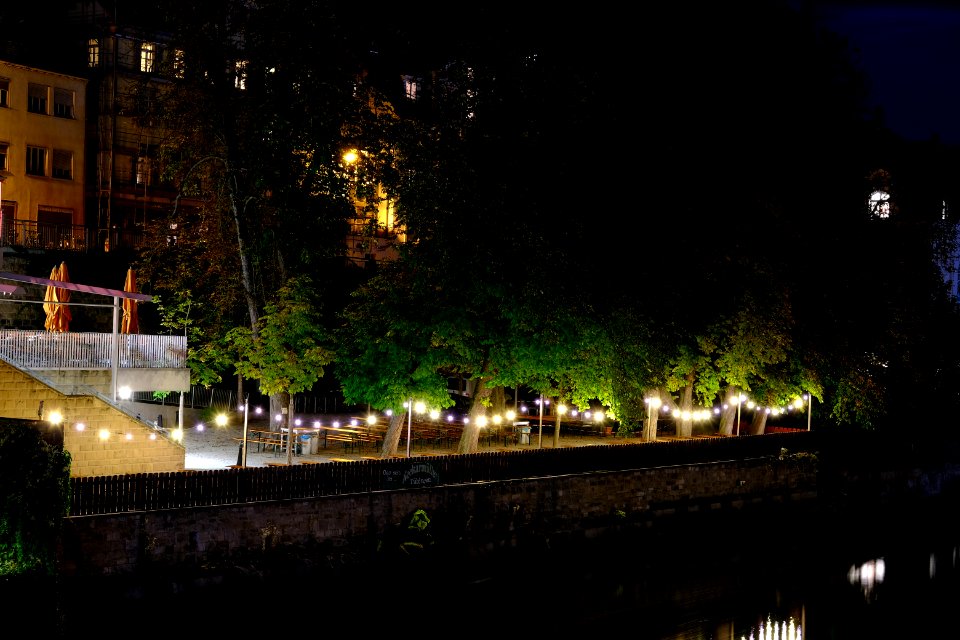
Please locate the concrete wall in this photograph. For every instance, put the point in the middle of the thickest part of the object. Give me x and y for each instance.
(101, 439)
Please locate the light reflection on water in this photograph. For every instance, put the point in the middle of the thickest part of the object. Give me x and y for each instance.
(904, 583)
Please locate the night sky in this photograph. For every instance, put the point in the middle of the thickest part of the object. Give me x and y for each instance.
(910, 52)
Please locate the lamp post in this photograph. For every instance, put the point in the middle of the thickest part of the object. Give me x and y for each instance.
(740, 400)
(409, 423)
(809, 399)
(540, 427)
(246, 409)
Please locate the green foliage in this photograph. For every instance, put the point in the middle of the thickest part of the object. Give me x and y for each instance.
(287, 354)
(34, 498)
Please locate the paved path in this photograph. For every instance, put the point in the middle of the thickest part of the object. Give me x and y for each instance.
(219, 447)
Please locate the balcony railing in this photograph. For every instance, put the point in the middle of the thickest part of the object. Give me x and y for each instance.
(29, 234)
(79, 350)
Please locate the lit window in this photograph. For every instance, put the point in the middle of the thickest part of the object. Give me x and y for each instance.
(240, 74)
(879, 204)
(410, 87)
(147, 52)
(36, 161)
(143, 170)
(62, 103)
(178, 63)
(37, 98)
(93, 53)
(62, 164)
(4, 90)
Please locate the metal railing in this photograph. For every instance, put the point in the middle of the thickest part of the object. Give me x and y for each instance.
(87, 350)
(29, 234)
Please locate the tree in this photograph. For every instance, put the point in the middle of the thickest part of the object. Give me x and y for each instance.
(286, 353)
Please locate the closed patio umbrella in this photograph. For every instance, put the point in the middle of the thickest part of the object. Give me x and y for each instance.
(58, 315)
(130, 322)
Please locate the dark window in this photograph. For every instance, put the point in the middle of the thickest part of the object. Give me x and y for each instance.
(3, 156)
(62, 164)
(62, 103)
(36, 161)
(4, 90)
(37, 98)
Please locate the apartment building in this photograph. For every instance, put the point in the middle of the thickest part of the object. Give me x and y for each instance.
(42, 144)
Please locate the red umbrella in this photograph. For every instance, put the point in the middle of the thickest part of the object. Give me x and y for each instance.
(130, 323)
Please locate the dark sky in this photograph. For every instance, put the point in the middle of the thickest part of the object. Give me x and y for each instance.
(911, 54)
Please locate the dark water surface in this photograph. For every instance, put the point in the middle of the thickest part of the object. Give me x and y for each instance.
(878, 573)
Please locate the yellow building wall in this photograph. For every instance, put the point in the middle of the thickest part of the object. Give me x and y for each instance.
(19, 128)
(109, 443)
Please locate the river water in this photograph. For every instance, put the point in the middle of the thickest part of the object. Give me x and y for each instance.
(871, 573)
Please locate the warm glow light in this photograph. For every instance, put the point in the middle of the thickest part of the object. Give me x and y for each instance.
(350, 156)
(654, 403)
(153, 436)
(598, 416)
(482, 421)
(371, 419)
(434, 414)
(56, 417)
(221, 420)
(129, 436)
(80, 426)
(103, 434)
(178, 435)
(511, 415)
(497, 419)
(561, 409)
(419, 407)
(124, 392)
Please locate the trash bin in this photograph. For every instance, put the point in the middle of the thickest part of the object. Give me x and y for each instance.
(309, 443)
(525, 435)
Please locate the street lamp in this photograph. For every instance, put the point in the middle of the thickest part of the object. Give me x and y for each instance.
(809, 399)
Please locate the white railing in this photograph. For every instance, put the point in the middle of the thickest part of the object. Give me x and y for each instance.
(78, 350)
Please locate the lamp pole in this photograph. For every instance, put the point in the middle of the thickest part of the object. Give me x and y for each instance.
(540, 427)
(246, 407)
(409, 423)
(809, 409)
(739, 404)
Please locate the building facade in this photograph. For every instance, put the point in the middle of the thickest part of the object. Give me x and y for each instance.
(42, 147)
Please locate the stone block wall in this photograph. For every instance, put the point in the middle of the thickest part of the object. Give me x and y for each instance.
(102, 440)
(484, 518)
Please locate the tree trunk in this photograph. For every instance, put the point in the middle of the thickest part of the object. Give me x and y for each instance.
(685, 424)
(759, 423)
(391, 439)
(471, 433)
(729, 414)
(650, 423)
(498, 401)
(556, 426)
